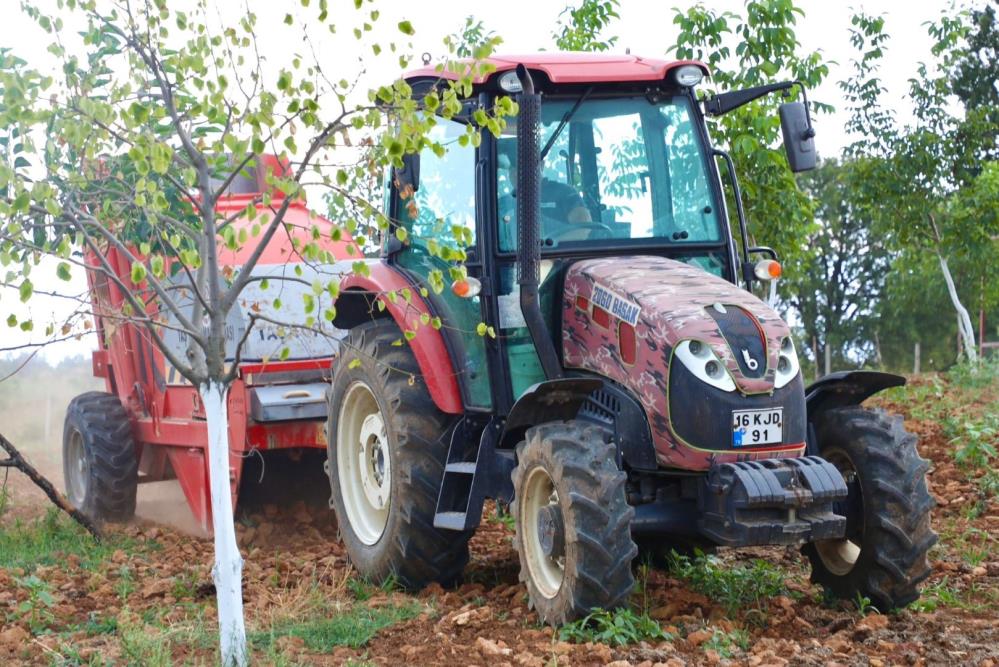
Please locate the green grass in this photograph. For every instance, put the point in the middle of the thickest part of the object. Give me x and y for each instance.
(353, 628)
(49, 540)
(616, 628)
(725, 643)
(735, 587)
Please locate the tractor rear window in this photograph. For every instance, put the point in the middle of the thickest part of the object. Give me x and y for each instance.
(621, 168)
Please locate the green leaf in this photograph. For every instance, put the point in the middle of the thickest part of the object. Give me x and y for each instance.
(26, 290)
(138, 273)
(406, 28)
(63, 271)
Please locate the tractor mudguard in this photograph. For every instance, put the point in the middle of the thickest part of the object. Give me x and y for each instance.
(551, 400)
(355, 305)
(841, 389)
(844, 388)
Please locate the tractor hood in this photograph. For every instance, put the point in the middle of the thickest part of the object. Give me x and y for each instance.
(695, 350)
(668, 302)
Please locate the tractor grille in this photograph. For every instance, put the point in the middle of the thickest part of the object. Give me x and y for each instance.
(701, 415)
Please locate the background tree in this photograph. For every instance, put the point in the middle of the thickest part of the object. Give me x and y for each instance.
(156, 111)
(580, 28)
(756, 47)
(836, 287)
(929, 184)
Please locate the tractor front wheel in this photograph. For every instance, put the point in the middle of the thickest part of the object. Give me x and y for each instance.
(388, 445)
(100, 467)
(573, 522)
(888, 534)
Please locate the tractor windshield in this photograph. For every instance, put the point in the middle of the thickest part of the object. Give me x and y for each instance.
(622, 168)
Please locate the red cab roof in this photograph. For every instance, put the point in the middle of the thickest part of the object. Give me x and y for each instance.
(573, 67)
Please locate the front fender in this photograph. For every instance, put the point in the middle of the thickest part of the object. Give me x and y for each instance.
(844, 388)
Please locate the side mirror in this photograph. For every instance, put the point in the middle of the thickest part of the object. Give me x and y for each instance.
(409, 174)
(799, 136)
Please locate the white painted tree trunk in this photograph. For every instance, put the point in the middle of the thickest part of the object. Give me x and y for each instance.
(965, 329)
(228, 570)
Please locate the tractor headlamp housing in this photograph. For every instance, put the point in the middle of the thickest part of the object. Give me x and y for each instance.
(701, 360)
(787, 363)
(687, 75)
(509, 82)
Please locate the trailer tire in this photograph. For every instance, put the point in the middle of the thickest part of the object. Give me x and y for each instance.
(100, 466)
(386, 473)
(888, 534)
(570, 505)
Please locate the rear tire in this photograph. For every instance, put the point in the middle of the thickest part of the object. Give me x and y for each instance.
(386, 473)
(888, 534)
(100, 467)
(573, 522)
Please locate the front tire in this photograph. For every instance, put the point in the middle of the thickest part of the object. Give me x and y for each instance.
(888, 534)
(573, 522)
(388, 444)
(99, 461)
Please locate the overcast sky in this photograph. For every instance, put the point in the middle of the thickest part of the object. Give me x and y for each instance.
(645, 28)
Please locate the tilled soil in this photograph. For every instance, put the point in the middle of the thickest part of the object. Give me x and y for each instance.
(293, 552)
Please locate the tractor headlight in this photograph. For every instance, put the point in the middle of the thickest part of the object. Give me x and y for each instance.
(787, 363)
(702, 361)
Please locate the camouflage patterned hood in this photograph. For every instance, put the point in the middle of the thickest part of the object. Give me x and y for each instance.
(669, 301)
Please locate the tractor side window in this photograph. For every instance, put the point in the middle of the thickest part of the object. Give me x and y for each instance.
(439, 218)
(439, 214)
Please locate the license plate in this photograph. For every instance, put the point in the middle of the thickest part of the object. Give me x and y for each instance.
(757, 427)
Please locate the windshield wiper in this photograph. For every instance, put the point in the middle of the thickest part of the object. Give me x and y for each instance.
(565, 121)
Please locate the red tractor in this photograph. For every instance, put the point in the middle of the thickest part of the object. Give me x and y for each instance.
(635, 396)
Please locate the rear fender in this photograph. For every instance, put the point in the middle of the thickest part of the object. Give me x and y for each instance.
(845, 388)
(357, 304)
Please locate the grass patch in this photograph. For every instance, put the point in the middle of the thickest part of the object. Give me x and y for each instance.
(615, 628)
(47, 541)
(725, 644)
(354, 627)
(733, 586)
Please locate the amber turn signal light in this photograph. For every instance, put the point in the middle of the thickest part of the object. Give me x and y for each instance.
(466, 287)
(767, 269)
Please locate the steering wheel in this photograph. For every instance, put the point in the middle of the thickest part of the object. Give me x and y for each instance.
(596, 229)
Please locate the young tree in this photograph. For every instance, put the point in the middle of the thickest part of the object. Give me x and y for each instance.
(929, 185)
(155, 113)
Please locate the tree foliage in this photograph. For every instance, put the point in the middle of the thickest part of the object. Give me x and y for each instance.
(929, 184)
(756, 47)
(581, 28)
(836, 287)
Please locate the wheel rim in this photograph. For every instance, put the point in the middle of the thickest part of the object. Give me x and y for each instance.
(840, 556)
(539, 493)
(364, 466)
(77, 469)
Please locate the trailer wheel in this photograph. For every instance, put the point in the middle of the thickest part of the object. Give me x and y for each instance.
(388, 445)
(888, 534)
(99, 461)
(573, 522)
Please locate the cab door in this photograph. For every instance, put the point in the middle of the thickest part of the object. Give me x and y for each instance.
(437, 212)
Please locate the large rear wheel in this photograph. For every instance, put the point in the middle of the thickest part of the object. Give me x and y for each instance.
(99, 461)
(573, 522)
(888, 534)
(388, 445)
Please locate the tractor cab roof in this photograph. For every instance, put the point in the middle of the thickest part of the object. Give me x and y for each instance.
(560, 68)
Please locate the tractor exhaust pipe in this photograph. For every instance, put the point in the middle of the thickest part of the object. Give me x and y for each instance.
(528, 222)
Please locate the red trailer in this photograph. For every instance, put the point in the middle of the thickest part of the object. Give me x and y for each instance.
(273, 404)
